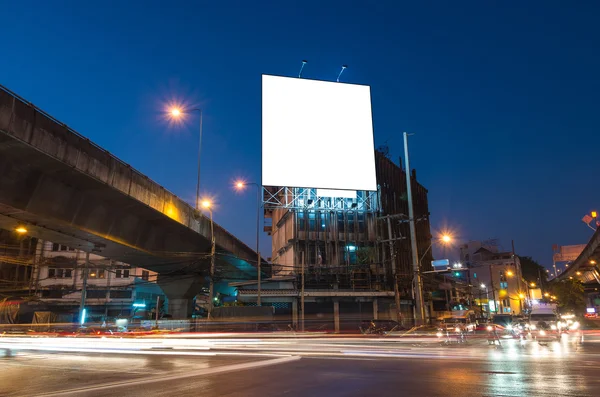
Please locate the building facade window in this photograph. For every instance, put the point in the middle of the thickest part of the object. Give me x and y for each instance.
(120, 294)
(60, 272)
(97, 273)
(145, 275)
(121, 272)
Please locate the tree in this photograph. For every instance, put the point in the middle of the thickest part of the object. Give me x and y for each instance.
(532, 270)
(570, 295)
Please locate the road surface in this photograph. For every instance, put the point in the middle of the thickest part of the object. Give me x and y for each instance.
(320, 367)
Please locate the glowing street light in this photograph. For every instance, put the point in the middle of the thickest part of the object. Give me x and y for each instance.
(177, 113)
(594, 214)
(578, 273)
(446, 238)
(21, 230)
(206, 204)
(483, 286)
(592, 262)
(509, 273)
(240, 185)
(546, 294)
(532, 285)
(521, 296)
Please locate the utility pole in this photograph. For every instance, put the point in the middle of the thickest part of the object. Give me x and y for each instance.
(157, 306)
(84, 287)
(211, 288)
(394, 272)
(417, 284)
(519, 276)
(302, 297)
(259, 261)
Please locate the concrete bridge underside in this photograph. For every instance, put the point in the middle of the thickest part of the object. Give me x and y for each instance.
(65, 189)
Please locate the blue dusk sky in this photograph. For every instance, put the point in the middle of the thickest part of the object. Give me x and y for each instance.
(502, 97)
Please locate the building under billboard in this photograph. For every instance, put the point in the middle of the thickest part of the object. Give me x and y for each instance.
(338, 208)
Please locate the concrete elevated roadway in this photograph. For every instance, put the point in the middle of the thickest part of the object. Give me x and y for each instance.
(64, 188)
(586, 267)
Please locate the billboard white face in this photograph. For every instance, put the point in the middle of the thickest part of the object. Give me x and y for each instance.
(317, 134)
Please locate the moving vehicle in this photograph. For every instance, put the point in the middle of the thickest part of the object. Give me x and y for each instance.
(544, 322)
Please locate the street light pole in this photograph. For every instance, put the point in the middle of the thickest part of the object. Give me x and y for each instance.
(177, 113)
(240, 185)
(199, 152)
(419, 314)
(258, 259)
(84, 289)
(211, 288)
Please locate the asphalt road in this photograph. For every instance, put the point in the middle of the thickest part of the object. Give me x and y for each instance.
(351, 369)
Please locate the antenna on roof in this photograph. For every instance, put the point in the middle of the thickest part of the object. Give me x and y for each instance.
(341, 71)
(304, 62)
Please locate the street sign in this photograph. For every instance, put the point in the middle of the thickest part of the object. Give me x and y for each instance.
(440, 264)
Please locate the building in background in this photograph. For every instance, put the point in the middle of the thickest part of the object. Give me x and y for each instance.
(346, 250)
(114, 289)
(41, 276)
(17, 259)
(496, 277)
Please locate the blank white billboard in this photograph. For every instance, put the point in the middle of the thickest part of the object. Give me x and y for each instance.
(317, 134)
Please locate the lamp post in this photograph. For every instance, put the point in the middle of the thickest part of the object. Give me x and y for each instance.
(483, 286)
(177, 113)
(240, 185)
(207, 205)
(445, 239)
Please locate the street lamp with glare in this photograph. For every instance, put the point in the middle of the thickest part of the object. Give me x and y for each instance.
(482, 286)
(177, 113)
(532, 285)
(446, 238)
(240, 185)
(594, 214)
(509, 273)
(592, 262)
(578, 273)
(21, 230)
(206, 204)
